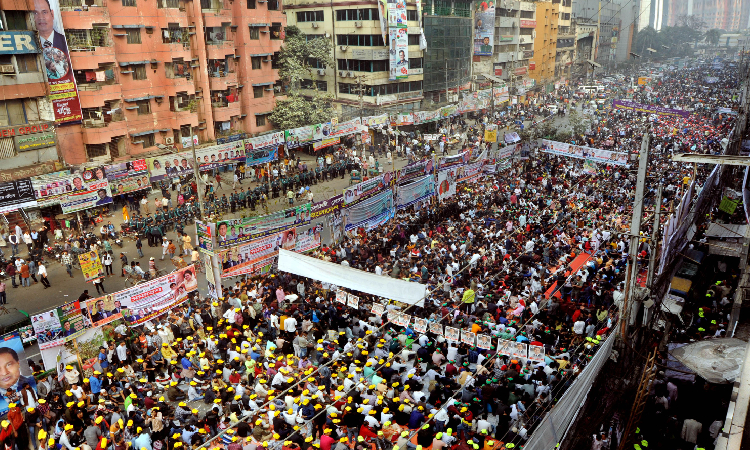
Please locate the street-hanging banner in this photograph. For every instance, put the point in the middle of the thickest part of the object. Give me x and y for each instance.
(376, 121)
(469, 172)
(346, 128)
(331, 206)
(93, 191)
(236, 231)
(581, 152)
(63, 91)
(398, 52)
(368, 187)
(91, 265)
(484, 28)
(298, 137)
(416, 191)
(455, 160)
(446, 183)
(100, 311)
(128, 176)
(153, 298)
(649, 109)
(59, 325)
(243, 259)
(415, 170)
(263, 149)
(309, 239)
(17, 194)
(370, 213)
(181, 164)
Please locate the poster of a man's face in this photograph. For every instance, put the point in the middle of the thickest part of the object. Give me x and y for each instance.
(13, 375)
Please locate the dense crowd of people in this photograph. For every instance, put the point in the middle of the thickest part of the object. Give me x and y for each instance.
(534, 254)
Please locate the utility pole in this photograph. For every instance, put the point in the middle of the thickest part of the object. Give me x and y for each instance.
(197, 174)
(654, 239)
(446, 80)
(635, 234)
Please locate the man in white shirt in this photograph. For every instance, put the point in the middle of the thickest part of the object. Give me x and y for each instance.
(290, 325)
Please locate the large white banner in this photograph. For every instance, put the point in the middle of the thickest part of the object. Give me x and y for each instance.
(581, 152)
(446, 183)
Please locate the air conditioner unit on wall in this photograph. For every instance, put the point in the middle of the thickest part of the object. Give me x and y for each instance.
(342, 74)
(7, 68)
(358, 24)
(321, 72)
(350, 74)
(344, 48)
(169, 140)
(315, 24)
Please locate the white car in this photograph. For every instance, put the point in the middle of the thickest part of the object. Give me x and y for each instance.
(552, 108)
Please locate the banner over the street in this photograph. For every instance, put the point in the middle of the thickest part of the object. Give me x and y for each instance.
(649, 109)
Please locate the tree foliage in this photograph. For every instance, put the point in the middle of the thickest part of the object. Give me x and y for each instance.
(668, 42)
(712, 36)
(297, 61)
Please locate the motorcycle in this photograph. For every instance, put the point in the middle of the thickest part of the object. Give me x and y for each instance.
(118, 241)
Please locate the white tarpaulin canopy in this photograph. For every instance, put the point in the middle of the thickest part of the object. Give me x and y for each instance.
(359, 280)
(716, 360)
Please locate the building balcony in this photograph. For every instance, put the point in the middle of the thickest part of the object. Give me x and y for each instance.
(100, 132)
(92, 95)
(506, 22)
(180, 84)
(509, 56)
(84, 58)
(219, 49)
(224, 110)
(74, 14)
(219, 81)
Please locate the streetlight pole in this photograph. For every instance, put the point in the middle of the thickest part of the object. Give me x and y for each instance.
(197, 174)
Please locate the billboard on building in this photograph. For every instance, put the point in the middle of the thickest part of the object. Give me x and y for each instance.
(398, 40)
(484, 28)
(63, 91)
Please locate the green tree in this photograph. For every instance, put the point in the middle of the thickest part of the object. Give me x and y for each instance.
(712, 36)
(298, 60)
(577, 126)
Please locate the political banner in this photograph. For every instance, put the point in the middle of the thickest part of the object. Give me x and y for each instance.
(27, 334)
(371, 213)
(207, 158)
(326, 207)
(416, 191)
(241, 259)
(519, 350)
(383, 16)
(484, 28)
(368, 187)
(237, 231)
(263, 149)
(490, 134)
(16, 373)
(341, 296)
(501, 94)
(415, 170)
(484, 341)
(397, 14)
(446, 183)
(17, 194)
(346, 128)
(420, 325)
(309, 240)
(505, 347)
(400, 119)
(59, 325)
(376, 121)
(297, 137)
(455, 160)
(128, 176)
(398, 53)
(352, 301)
(582, 152)
(153, 298)
(536, 353)
(469, 172)
(90, 188)
(437, 328)
(378, 309)
(649, 109)
(467, 337)
(426, 117)
(325, 142)
(91, 265)
(205, 233)
(63, 91)
(210, 277)
(452, 334)
(102, 310)
(448, 111)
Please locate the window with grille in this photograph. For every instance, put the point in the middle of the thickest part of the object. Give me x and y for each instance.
(256, 62)
(128, 2)
(144, 106)
(12, 112)
(273, 5)
(413, 39)
(96, 150)
(357, 14)
(254, 33)
(250, 4)
(260, 121)
(27, 63)
(309, 84)
(258, 91)
(15, 20)
(411, 15)
(149, 140)
(309, 16)
(133, 36)
(139, 71)
(7, 148)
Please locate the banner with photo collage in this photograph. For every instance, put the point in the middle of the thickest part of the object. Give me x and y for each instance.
(484, 28)
(251, 257)
(398, 40)
(418, 190)
(55, 327)
(181, 164)
(237, 231)
(370, 213)
(128, 177)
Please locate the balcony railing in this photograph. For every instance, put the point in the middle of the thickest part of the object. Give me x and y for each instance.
(221, 73)
(101, 123)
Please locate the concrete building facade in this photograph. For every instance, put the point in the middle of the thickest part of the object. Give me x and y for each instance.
(545, 43)
(27, 123)
(173, 69)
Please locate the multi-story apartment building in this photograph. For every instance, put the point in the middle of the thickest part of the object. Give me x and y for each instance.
(608, 19)
(513, 50)
(160, 71)
(729, 15)
(27, 122)
(565, 50)
(361, 56)
(545, 43)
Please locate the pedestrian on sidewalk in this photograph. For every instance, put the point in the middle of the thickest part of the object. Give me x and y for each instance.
(139, 245)
(28, 241)
(218, 180)
(187, 243)
(3, 298)
(13, 239)
(43, 275)
(32, 270)
(25, 275)
(164, 248)
(98, 283)
(171, 249)
(11, 270)
(107, 261)
(144, 206)
(67, 262)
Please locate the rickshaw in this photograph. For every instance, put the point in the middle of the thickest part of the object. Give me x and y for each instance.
(354, 177)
